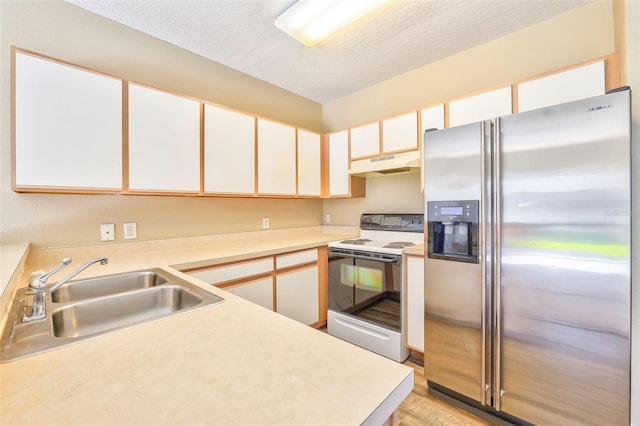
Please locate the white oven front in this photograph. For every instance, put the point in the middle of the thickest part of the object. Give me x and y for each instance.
(366, 300)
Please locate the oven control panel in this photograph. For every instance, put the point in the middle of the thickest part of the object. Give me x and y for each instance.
(392, 222)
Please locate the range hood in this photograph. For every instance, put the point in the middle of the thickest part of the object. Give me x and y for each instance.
(406, 162)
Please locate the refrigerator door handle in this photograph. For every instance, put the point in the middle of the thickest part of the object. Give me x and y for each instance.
(482, 249)
(497, 273)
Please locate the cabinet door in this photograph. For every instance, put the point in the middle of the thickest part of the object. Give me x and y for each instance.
(164, 141)
(571, 85)
(68, 127)
(432, 118)
(258, 291)
(235, 271)
(415, 305)
(496, 103)
(400, 133)
(365, 140)
(339, 164)
(309, 170)
(297, 295)
(276, 158)
(229, 151)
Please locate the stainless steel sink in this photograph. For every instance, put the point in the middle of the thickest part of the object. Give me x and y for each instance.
(108, 313)
(106, 285)
(96, 306)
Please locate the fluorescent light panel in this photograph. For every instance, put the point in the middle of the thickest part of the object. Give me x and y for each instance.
(310, 21)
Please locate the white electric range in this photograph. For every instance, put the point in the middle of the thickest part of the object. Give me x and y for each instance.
(367, 291)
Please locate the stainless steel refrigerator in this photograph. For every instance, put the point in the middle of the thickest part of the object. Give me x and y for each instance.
(528, 263)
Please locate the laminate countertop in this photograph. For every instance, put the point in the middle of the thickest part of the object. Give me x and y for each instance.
(233, 363)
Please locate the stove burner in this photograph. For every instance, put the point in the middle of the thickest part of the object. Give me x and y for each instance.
(357, 241)
(399, 244)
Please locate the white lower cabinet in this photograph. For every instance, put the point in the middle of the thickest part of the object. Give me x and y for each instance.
(415, 305)
(259, 291)
(294, 285)
(297, 295)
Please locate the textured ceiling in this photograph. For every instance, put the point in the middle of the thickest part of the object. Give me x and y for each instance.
(397, 37)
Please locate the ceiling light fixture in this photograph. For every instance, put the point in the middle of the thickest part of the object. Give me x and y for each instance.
(309, 21)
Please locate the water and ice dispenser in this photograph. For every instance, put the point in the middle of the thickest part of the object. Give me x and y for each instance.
(453, 230)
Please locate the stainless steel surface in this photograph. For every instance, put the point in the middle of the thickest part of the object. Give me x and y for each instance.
(497, 259)
(564, 263)
(106, 285)
(101, 260)
(485, 310)
(94, 311)
(453, 290)
(107, 313)
(37, 309)
(555, 277)
(42, 280)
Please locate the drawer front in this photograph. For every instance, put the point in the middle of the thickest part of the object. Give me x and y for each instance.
(297, 258)
(235, 271)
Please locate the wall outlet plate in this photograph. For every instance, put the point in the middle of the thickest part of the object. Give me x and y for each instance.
(327, 218)
(265, 223)
(130, 230)
(107, 232)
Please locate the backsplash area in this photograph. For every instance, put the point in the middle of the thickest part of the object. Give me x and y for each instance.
(398, 193)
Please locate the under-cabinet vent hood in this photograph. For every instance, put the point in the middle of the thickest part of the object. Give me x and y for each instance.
(406, 162)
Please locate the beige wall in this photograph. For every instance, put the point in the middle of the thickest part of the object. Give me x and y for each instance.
(576, 36)
(64, 31)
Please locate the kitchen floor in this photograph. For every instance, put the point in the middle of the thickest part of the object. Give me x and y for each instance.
(420, 408)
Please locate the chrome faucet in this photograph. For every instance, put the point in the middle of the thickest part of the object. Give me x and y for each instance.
(37, 310)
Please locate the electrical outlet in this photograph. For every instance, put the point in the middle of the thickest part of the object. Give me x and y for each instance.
(107, 232)
(265, 223)
(327, 218)
(130, 230)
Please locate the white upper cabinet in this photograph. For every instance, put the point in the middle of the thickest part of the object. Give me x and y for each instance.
(365, 140)
(164, 141)
(571, 85)
(487, 105)
(276, 158)
(339, 164)
(68, 127)
(400, 133)
(432, 118)
(229, 151)
(309, 164)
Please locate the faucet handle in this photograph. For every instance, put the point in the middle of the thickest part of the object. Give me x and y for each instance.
(40, 282)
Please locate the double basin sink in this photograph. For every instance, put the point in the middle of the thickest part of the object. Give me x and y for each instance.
(87, 308)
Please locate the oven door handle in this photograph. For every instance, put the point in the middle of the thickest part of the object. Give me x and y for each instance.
(357, 256)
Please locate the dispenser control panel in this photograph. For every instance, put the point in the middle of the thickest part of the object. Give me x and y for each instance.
(453, 211)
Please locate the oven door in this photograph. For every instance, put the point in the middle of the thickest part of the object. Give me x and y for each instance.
(367, 286)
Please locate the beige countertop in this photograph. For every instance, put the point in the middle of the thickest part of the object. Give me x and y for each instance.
(226, 364)
(418, 250)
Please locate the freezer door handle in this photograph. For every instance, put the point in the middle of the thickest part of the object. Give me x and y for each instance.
(482, 251)
(497, 276)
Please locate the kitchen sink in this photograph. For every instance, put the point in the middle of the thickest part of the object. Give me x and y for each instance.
(92, 307)
(106, 285)
(108, 313)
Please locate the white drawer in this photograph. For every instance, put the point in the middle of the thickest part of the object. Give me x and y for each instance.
(297, 258)
(219, 274)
